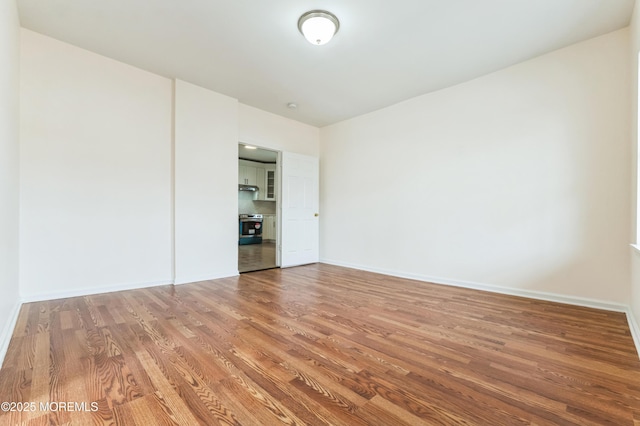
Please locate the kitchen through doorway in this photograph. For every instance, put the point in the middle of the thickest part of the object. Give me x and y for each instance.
(258, 188)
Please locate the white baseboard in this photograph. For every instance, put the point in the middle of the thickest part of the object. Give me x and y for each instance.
(7, 332)
(39, 297)
(634, 327)
(532, 294)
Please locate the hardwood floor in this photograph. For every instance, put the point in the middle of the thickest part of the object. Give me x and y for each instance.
(319, 345)
(255, 257)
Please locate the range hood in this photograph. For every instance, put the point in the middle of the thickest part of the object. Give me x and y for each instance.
(251, 188)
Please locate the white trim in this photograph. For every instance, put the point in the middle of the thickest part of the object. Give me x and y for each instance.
(7, 333)
(634, 328)
(631, 318)
(172, 208)
(204, 277)
(540, 295)
(39, 297)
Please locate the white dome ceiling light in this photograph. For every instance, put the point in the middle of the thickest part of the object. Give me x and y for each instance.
(318, 26)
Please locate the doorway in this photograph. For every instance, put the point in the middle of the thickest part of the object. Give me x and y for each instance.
(258, 188)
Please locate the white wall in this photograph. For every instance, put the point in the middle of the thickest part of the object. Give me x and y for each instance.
(519, 179)
(95, 172)
(9, 163)
(99, 199)
(268, 130)
(206, 184)
(635, 252)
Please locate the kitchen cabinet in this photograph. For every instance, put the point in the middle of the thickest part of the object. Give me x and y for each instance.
(260, 178)
(261, 175)
(270, 183)
(269, 227)
(247, 175)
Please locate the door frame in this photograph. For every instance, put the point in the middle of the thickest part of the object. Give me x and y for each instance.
(278, 194)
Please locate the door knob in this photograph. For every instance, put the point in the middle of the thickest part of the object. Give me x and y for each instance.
(316, 215)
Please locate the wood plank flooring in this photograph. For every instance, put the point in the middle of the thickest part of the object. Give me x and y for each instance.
(319, 345)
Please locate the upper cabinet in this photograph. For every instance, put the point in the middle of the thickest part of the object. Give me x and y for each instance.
(261, 175)
(260, 182)
(247, 175)
(270, 182)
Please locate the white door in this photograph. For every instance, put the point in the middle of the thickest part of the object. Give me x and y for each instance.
(299, 203)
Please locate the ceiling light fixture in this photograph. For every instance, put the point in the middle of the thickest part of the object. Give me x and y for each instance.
(318, 26)
(250, 147)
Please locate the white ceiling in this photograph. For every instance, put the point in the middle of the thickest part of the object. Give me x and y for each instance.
(261, 155)
(385, 52)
